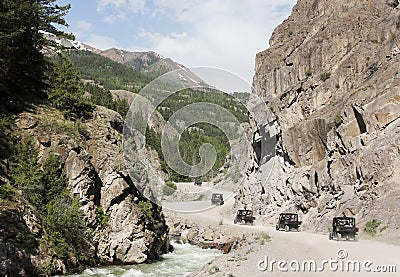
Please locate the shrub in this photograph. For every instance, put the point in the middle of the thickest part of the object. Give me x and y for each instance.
(337, 119)
(371, 227)
(325, 76)
(308, 72)
(147, 209)
(169, 188)
(6, 191)
(101, 216)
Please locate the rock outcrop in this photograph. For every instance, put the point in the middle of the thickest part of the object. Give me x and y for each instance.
(210, 236)
(331, 77)
(126, 227)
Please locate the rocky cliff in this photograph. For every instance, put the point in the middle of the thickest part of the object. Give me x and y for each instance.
(331, 76)
(126, 228)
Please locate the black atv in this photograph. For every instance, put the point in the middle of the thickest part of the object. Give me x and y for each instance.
(344, 228)
(217, 199)
(244, 217)
(288, 222)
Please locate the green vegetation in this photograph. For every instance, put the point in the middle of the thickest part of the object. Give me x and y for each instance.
(263, 238)
(6, 191)
(101, 216)
(308, 72)
(103, 97)
(23, 66)
(189, 96)
(371, 227)
(45, 187)
(66, 93)
(146, 208)
(337, 119)
(189, 146)
(393, 36)
(110, 74)
(325, 76)
(337, 86)
(6, 146)
(169, 188)
(198, 134)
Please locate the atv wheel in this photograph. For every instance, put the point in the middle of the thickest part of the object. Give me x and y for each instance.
(330, 236)
(287, 228)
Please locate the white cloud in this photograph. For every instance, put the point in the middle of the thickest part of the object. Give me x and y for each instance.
(120, 6)
(83, 25)
(103, 4)
(225, 34)
(101, 42)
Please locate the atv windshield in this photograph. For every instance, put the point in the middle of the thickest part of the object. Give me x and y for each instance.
(345, 222)
(245, 213)
(289, 217)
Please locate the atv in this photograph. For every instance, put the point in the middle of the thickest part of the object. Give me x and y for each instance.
(288, 222)
(217, 199)
(244, 217)
(344, 228)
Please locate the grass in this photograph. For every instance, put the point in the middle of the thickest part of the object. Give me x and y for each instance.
(263, 238)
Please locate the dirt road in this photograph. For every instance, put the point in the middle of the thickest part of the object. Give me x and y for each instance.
(289, 251)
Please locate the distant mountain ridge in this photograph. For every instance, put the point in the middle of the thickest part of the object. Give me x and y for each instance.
(148, 62)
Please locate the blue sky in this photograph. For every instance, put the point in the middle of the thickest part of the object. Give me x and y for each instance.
(217, 33)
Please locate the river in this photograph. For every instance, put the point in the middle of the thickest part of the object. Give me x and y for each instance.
(184, 260)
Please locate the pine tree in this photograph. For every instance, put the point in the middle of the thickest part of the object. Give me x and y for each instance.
(67, 92)
(54, 181)
(26, 174)
(22, 65)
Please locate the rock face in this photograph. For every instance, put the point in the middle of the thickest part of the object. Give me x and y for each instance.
(127, 228)
(331, 77)
(97, 174)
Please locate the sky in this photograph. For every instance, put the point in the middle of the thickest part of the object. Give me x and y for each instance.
(215, 33)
